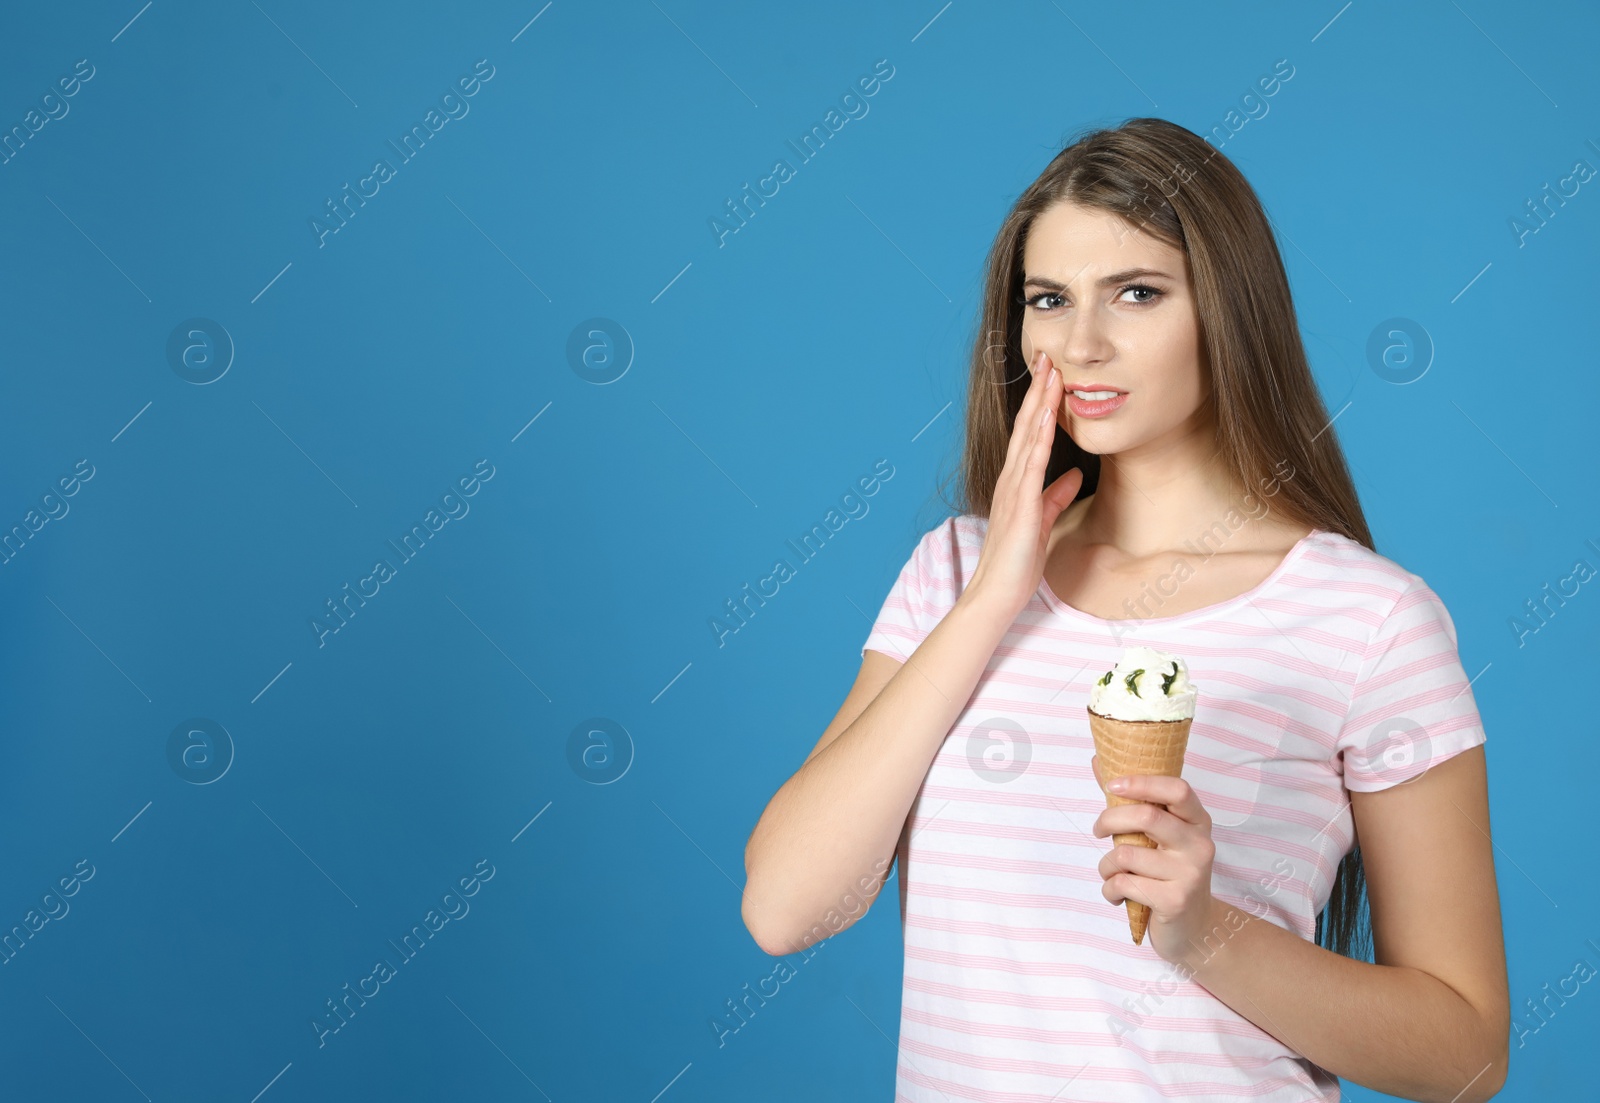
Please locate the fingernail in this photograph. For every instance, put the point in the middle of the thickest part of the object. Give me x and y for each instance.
(1118, 784)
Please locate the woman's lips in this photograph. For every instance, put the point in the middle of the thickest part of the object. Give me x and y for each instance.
(1094, 407)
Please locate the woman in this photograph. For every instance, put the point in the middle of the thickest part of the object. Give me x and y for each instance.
(1148, 463)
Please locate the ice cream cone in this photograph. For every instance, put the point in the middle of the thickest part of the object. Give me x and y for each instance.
(1127, 747)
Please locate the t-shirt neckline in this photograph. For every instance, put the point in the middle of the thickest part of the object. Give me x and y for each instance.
(1061, 608)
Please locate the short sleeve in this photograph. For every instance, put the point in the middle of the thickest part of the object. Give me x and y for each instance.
(1412, 706)
(921, 596)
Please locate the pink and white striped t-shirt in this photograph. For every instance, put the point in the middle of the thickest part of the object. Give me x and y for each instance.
(1339, 671)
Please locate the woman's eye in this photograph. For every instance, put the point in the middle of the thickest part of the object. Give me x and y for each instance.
(1047, 301)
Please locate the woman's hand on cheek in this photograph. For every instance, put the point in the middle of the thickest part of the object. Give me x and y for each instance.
(1174, 879)
(1039, 360)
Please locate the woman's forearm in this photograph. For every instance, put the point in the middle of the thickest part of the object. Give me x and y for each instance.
(1394, 1029)
(827, 837)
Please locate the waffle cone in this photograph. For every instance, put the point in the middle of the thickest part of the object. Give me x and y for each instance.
(1137, 747)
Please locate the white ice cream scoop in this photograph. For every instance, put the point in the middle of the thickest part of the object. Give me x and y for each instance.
(1146, 684)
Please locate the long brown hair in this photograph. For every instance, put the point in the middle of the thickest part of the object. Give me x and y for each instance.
(1167, 181)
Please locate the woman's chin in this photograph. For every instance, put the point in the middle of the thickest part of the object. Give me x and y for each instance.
(1095, 438)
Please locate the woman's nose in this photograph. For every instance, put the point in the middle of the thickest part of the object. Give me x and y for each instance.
(1083, 340)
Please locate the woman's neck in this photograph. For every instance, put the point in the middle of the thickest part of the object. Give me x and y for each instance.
(1157, 497)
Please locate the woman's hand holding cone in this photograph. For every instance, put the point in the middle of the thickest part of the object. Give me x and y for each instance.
(1174, 879)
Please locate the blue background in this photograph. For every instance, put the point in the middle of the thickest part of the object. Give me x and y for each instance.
(374, 367)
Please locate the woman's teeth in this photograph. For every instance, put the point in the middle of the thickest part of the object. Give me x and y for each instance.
(1095, 396)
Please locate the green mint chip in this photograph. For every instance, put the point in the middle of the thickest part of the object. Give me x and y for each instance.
(1168, 679)
(1132, 681)
(1107, 679)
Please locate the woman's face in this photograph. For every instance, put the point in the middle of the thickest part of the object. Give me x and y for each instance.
(1114, 311)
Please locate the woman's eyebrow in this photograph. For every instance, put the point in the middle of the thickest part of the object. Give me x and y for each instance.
(1104, 281)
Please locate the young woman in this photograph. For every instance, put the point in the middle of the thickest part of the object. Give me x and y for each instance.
(1148, 463)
